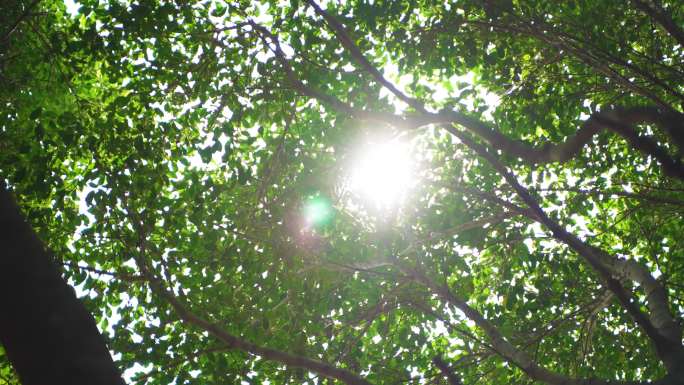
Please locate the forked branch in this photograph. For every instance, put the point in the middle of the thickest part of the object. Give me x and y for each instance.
(498, 341)
(158, 287)
(618, 120)
(659, 324)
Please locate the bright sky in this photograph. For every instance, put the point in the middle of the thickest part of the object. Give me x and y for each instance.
(72, 7)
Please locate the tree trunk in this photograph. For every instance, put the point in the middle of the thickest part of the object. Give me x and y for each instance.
(47, 333)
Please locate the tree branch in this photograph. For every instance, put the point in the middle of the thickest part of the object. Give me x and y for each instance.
(498, 342)
(443, 367)
(659, 330)
(356, 53)
(478, 223)
(656, 295)
(622, 269)
(121, 276)
(661, 17)
(540, 31)
(398, 121)
(177, 362)
(647, 146)
(321, 368)
(617, 120)
(616, 193)
(21, 18)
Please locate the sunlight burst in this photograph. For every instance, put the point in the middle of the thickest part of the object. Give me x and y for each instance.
(384, 173)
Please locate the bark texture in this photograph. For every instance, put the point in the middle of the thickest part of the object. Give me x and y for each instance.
(47, 333)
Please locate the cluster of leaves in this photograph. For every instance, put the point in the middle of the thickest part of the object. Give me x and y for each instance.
(164, 151)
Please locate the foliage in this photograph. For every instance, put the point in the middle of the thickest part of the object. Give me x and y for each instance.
(166, 153)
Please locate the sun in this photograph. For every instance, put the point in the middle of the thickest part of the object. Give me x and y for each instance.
(383, 173)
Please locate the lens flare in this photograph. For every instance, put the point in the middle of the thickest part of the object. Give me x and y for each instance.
(317, 211)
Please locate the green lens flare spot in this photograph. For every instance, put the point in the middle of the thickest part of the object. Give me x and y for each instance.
(317, 211)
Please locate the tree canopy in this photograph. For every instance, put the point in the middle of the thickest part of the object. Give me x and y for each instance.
(194, 169)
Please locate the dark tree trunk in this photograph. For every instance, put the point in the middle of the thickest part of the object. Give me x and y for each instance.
(47, 333)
